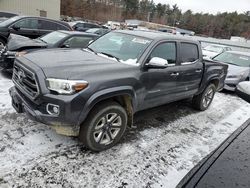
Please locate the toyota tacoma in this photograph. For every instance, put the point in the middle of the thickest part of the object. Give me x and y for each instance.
(94, 92)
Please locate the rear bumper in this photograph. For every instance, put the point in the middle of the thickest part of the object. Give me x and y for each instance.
(64, 123)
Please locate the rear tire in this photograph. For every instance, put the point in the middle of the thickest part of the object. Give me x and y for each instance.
(203, 100)
(104, 127)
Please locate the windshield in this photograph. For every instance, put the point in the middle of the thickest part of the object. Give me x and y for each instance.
(53, 37)
(126, 48)
(92, 30)
(9, 21)
(235, 59)
(211, 48)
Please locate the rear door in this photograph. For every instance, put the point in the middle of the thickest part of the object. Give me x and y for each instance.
(27, 27)
(46, 26)
(190, 69)
(160, 84)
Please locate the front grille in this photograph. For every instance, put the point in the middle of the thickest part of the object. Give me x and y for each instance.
(25, 80)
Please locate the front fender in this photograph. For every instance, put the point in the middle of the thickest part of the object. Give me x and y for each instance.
(104, 95)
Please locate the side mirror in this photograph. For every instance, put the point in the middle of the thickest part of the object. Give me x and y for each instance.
(15, 27)
(157, 63)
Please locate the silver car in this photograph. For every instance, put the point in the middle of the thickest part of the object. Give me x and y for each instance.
(238, 70)
(213, 50)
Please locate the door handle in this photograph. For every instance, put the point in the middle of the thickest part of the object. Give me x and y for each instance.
(175, 74)
(198, 70)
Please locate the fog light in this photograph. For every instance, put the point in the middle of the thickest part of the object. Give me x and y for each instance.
(53, 109)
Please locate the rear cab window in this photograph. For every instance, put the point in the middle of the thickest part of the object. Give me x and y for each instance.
(189, 52)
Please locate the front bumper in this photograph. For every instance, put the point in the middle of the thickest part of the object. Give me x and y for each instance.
(230, 84)
(66, 122)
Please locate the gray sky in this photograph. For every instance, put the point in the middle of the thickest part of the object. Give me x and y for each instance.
(211, 6)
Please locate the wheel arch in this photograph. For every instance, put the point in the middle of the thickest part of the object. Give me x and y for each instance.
(125, 96)
(3, 38)
(214, 80)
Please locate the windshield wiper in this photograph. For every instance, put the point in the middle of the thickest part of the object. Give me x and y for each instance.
(42, 40)
(110, 55)
(90, 49)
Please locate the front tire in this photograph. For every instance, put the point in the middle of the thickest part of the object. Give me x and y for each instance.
(203, 100)
(104, 126)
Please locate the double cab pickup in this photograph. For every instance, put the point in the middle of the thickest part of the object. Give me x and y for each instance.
(93, 93)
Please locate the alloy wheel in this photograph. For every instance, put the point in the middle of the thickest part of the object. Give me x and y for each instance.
(107, 128)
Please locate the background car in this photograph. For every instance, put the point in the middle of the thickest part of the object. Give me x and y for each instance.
(83, 26)
(98, 31)
(19, 45)
(28, 26)
(228, 166)
(243, 90)
(4, 14)
(238, 70)
(211, 51)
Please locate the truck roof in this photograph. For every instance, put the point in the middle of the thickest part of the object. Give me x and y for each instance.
(156, 35)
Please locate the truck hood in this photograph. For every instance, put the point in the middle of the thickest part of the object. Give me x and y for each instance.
(73, 63)
(17, 42)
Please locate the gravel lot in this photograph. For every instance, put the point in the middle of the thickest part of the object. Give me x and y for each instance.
(168, 142)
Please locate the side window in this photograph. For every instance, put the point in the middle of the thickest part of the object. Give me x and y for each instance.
(47, 25)
(27, 23)
(78, 42)
(189, 52)
(165, 51)
(88, 25)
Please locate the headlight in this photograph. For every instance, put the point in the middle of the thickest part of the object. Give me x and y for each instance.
(239, 76)
(66, 86)
(233, 76)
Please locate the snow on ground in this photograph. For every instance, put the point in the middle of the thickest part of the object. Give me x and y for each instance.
(168, 142)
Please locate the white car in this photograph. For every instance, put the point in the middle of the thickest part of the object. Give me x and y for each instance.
(213, 50)
(243, 90)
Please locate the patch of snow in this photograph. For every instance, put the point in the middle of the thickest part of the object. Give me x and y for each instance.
(168, 142)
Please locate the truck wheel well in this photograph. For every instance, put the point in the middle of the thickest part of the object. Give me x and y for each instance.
(126, 102)
(3, 39)
(215, 82)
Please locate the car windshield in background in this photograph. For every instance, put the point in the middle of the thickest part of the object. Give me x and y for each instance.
(8, 21)
(216, 49)
(53, 37)
(126, 48)
(93, 30)
(235, 59)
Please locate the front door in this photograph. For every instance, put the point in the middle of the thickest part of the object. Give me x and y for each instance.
(160, 84)
(27, 27)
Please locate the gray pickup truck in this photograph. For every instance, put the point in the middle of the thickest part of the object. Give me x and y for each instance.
(94, 92)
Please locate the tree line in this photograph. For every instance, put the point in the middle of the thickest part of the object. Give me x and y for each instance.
(221, 25)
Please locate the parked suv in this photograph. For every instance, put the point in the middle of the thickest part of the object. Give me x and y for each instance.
(94, 92)
(32, 27)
